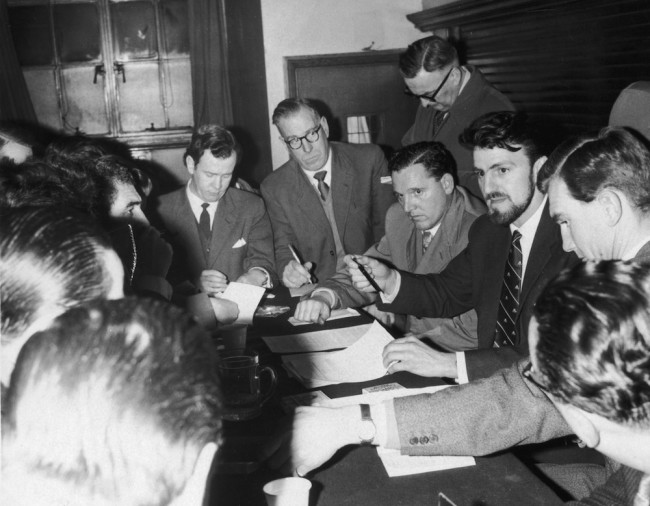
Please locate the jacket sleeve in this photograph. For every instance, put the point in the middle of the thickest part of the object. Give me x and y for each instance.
(382, 193)
(282, 232)
(260, 250)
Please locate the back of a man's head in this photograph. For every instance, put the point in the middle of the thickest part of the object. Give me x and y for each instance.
(508, 130)
(614, 159)
(428, 54)
(593, 346)
(110, 406)
(436, 159)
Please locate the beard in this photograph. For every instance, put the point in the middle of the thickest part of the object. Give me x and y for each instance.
(514, 211)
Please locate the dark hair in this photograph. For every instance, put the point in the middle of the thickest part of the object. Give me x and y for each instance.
(431, 53)
(437, 159)
(290, 106)
(49, 256)
(124, 388)
(220, 141)
(507, 130)
(614, 158)
(594, 339)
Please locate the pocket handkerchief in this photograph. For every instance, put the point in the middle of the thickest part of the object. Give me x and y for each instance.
(240, 243)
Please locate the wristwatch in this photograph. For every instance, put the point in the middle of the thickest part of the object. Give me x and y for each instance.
(367, 428)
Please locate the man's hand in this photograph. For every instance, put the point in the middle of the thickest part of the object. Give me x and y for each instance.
(312, 439)
(253, 277)
(213, 282)
(383, 275)
(316, 309)
(411, 354)
(226, 311)
(295, 275)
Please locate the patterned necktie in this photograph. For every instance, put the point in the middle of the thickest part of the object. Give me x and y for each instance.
(204, 221)
(438, 120)
(426, 240)
(322, 185)
(506, 333)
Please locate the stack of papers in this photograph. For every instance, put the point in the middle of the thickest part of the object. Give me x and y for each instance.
(318, 340)
(360, 362)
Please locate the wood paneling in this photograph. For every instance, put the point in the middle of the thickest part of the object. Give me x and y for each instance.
(563, 60)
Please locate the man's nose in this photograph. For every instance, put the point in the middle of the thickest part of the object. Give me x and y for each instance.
(567, 240)
(408, 204)
(306, 146)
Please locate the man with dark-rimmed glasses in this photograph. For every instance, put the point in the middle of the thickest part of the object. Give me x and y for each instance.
(328, 200)
(451, 97)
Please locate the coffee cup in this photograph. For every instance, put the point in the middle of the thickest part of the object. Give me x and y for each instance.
(240, 372)
(287, 492)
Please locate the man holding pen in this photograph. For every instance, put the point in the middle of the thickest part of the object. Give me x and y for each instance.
(328, 200)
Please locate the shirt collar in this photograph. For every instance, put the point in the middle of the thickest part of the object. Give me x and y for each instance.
(327, 167)
(529, 228)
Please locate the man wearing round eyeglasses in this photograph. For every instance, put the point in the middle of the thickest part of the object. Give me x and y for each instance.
(451, 97)
(328, 200)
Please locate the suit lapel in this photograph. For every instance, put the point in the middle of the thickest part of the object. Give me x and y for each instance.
(222, 229)
(189, 230)
(341, 188)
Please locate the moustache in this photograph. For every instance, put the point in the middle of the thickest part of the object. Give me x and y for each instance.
(495, 195)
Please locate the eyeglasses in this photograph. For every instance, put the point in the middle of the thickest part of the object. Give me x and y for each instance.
(431, 97)
(527, 372)
(311, 137)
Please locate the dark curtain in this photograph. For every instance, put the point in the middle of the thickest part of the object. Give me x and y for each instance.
(208, 52)
(15, 102)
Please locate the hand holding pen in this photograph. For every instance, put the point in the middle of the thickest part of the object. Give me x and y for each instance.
(368, 274)
(296, 273)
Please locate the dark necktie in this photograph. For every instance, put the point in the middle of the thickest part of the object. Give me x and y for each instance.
(506, 333)
(438, 120)
(204, 221)
(323, 189)
(426, 240)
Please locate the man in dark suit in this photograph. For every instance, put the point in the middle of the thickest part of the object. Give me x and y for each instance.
(507, 155)
(599, 189)
(329, 199)
(451, 97)
(425, 230)
(219, 234)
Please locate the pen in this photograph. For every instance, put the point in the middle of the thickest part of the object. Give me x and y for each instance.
(367, 276)
(294, 253)
(391, 364)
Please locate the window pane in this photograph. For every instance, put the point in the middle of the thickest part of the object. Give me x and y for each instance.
(42, 90)
(30, 29)
(134, 30)
(174, 15)
(85, 108)
(140, 98)
(77, 32)
(179, 94)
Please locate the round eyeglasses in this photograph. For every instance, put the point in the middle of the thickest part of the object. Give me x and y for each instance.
(431, 97)
(311, 137)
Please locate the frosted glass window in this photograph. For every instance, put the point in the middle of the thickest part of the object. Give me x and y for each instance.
(363, 129)
(30, 29)
(134, 30)
(140, 98)
(176, 27)
(77, 32)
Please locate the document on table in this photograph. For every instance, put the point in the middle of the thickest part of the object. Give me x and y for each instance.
(394, 462)
(336, 314)
(318, 340)
(360, 362)
(247, 297)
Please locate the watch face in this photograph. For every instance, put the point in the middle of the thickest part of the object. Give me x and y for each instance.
(367, 430)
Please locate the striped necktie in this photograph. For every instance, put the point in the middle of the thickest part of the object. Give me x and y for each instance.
(506, 330)
(323, 189)
(426, 240)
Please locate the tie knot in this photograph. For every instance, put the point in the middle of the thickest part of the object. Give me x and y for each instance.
(205, 206)
(516, 236)
(320, 175)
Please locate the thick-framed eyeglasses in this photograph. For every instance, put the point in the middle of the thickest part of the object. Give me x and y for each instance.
(527, 372)
(311, 137)
(431, 97)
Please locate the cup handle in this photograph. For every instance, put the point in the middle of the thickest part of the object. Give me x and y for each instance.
(274, 383)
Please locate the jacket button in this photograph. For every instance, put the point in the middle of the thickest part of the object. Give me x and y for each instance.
(332, 253)
(424, 440)
(413, 441)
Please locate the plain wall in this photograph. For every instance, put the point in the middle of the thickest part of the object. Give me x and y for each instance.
(311, 27)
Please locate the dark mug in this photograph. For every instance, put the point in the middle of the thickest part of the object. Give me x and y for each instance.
(240, 373)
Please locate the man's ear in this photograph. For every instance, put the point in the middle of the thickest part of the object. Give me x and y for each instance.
(612, 206)
(194, 491)
(582, 424)
(189, 163)
(326, 127)
(447, 182)
(537, 166)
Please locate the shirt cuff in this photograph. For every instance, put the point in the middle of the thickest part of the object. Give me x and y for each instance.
(387, 298)
(331, 295)
(461, 368)
(267, 282)
(383, 414)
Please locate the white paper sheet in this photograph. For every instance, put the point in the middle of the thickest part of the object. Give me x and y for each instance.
(319, 340)
(247, 297)
(394, 462)
(337, 314)
(360, 362)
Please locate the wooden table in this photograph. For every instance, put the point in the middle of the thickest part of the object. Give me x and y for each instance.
(356, 476)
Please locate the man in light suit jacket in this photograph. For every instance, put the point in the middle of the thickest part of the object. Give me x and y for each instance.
(425, 229)
(219, 234)
(599, 190)
(322, 220)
